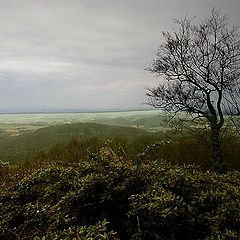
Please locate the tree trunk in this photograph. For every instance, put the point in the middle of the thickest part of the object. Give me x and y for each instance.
(216, 151)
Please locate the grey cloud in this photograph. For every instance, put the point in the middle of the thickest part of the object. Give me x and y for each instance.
(86, 54)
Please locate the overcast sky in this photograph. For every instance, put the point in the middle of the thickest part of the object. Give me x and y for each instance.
(86, 54)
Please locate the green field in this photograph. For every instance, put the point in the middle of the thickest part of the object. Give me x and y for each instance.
(14, 124)
(22, 135)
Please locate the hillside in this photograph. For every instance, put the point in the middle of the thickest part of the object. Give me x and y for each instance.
(18, 148)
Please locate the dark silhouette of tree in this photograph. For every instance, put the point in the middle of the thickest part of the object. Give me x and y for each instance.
(200, 66)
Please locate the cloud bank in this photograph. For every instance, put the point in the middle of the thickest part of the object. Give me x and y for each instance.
(85, 55)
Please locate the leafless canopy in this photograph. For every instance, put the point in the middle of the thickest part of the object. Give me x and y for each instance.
(201, 64)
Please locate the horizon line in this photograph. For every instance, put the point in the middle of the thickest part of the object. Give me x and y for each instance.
(78, 111)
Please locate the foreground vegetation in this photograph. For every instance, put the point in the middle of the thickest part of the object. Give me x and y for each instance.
(107, 197)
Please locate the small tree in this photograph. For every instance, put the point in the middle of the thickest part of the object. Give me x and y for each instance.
(201, 65)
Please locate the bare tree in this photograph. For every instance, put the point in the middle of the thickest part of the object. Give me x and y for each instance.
(200, 66)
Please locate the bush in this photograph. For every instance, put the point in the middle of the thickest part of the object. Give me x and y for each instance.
(98, 231)
(187, 204)
(143, 200)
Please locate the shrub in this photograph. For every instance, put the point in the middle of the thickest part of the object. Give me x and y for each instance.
(98, 231)
(186, 204)
(143, 200)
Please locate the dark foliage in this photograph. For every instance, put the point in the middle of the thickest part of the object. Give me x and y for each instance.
(140, 200)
